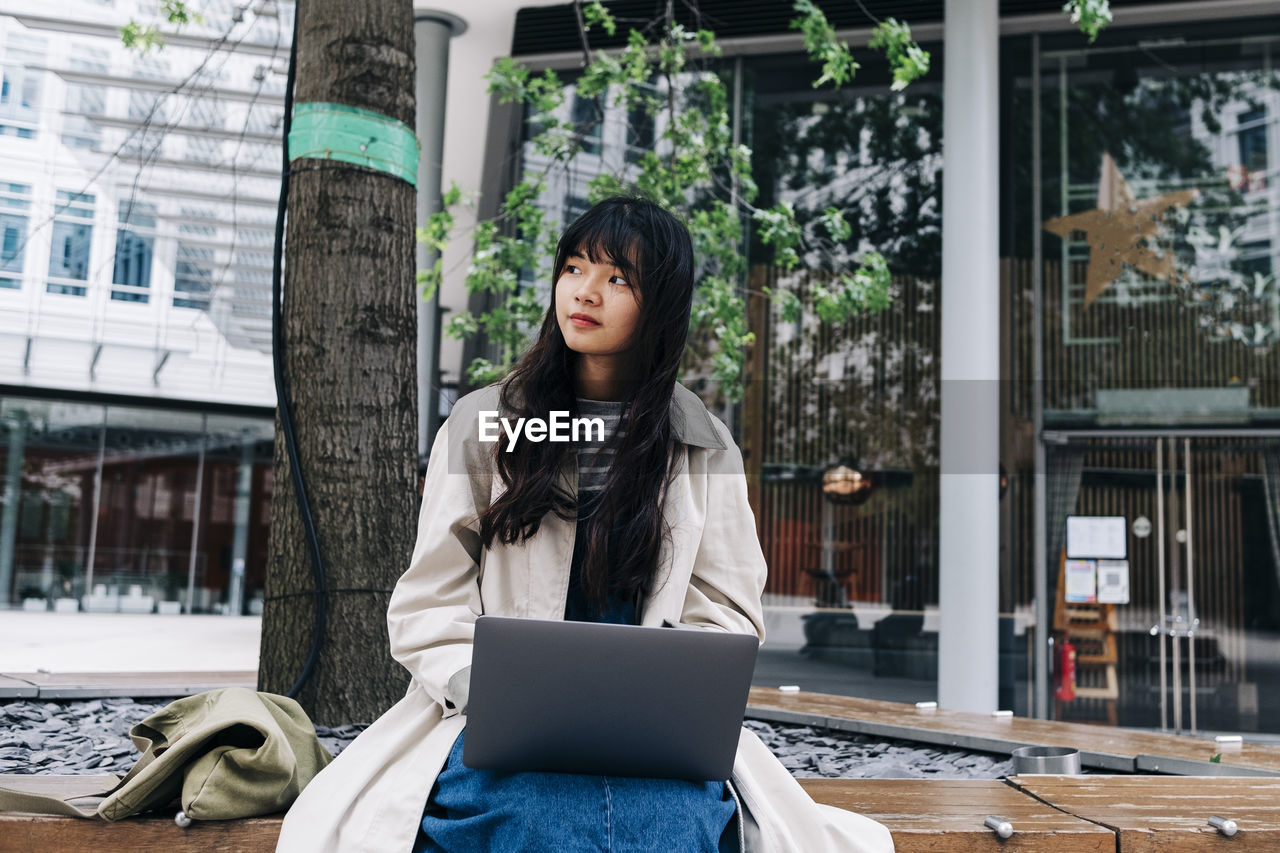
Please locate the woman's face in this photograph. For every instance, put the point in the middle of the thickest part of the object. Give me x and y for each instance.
(596, 307)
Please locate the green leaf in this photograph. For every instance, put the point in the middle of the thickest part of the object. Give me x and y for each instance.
(1216, 758)
(595, 14)
(788, 303)
(451, 196)
(508, 80)
(838, 65)
(707, 41)
(484, 372)
(833, 221)
(429, 280)
(907, 59)
(178, 14)
(461, 325)
(1091, 16)
(778, 228)
(140, 38)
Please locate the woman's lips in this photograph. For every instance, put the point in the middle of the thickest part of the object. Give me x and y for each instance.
(583, 321)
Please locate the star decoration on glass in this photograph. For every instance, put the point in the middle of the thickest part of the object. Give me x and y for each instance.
(1120, 232)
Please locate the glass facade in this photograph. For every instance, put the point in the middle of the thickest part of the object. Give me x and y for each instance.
(129, 509)
(1154, 266)
(1143, 235)
(852, 588)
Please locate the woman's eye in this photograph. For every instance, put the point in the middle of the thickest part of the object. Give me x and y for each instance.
(571, 268)
(617, 279)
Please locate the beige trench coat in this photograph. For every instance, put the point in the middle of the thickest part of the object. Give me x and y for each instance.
(372, 796)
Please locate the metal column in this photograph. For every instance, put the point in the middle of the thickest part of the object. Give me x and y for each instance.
(17, 434)
(240, 544)
(432, 31)
(969, 520)
(1040, 564)
(195, 517)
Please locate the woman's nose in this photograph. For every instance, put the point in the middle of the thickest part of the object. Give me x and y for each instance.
(588, 291)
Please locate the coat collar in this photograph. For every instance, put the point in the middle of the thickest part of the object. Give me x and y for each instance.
(692, 422)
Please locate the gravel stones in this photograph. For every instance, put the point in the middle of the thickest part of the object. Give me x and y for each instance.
(93, 737)
(809, 752)
(70, 737)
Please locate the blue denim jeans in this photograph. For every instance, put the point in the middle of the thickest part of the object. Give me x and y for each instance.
(567, 813)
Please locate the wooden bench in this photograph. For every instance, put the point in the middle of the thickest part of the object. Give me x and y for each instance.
(933, 815)
(1169, 814)
(27, 833)
(1053, 814)
(923, 815)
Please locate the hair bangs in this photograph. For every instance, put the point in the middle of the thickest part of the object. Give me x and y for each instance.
(605, 235)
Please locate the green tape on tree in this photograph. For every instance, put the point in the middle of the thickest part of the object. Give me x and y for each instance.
(321, 131)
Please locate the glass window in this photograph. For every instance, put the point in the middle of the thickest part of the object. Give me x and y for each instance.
(150, 471)
(1159, 234)
(69, 247)
(90, 100)
(69, 256)
(78, 128)
(640, 128)
(193, 278)
(14, 229)
(264, 119)
(135, 252)
(89, 59)
(204, 149)
(1252, 140)
(21, 84)
(80, 132)
(237, 530)
(147, 106)
(52, 493)
(1161, 316)
(588, 123)
(13, 232)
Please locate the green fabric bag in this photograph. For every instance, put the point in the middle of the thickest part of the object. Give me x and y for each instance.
(223, 754)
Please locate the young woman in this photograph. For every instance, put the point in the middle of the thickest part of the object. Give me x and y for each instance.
(649, 526)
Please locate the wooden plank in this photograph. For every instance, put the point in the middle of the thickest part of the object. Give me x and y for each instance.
(930, 815)
(21, 833)
(12, 687)
(1160, 813)
(943, 725)
(83, 685)
(65, 785)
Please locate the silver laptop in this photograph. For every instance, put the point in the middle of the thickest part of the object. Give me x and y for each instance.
(606, 700)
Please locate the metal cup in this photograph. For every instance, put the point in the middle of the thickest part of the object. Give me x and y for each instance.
(1053, 760)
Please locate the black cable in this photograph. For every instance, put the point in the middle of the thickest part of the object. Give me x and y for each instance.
(282, 394)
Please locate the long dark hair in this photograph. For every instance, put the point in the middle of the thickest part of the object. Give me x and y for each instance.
(654, 251)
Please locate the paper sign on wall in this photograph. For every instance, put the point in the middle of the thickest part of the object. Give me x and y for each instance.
(1082, 581)
(1113, 581)
(1099, 537)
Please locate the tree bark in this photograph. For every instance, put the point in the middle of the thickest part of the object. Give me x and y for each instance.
(349, 355)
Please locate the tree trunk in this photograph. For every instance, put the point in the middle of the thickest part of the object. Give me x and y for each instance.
(349, 355)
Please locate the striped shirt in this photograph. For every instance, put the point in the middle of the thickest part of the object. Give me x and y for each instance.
(594, 460)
